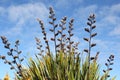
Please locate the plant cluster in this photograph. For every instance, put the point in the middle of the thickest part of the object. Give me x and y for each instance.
(66, 62)
(16, 62)
(108, 64)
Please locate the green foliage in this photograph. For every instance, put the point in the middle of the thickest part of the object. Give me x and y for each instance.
(65, 67)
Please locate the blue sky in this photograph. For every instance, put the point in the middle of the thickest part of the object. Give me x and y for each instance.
(18, 21)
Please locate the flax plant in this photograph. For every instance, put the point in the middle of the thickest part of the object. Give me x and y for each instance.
(62, 35)
(16, 62)
(52, 22)
(66, 62)
(90, 23)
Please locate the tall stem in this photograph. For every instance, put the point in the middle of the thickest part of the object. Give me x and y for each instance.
(89, 52)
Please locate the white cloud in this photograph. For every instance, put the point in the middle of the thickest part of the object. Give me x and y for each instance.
(107, 17)
(15, 31)
(111, 14)
(67, 3)
(22, 14)
(83, 12)
(90, 9)
(2, 10)
(115, 9)
(112, 19)
(27, 11)
(115, 31)
(109, 10)
(108, 23)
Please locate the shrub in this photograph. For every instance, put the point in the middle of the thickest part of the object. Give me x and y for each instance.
(66, 63)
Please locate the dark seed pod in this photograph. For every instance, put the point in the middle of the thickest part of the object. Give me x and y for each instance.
(89, 24)
(69, 31)
(71, 28)
(54, 19)
(92, 58)
(46, 41)
(110, 68)
(60, 25)
(15, 57)
(93, 27)
(51, 30)
(52, 39)
(89, 19)
(37, 40)
(68, 38)
(87, 30)
(56, 25)
(43, 28)
(108, 60)
(20, 75)
(50, 22)
(19, 52)
(9, 53)
(108, 75)
(86, 39)
(94, 21)
(111, 56)
(9, 62)
(18, 72)
(56, 34)
(63, 35)
(59, 31)
(111, 63)
(93, 35)
(44, 38)
(68, 47)
(86, 50)
(92, 45)
(59, 39)
(12, 67)
(38, 47)
(71, 34)
(11, 50)
(72, 20)
(14, 61)
(64, 28)
(3, 57)
(6, 46)
(42, 51)
(57, 45)
(19, 66)
(17, 42)
(71, 42)
(104, 71)
(44, 33)
(106, 64)
(51, 10)
(65, 18)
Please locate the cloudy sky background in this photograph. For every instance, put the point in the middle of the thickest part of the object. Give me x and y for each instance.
(18, 21)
